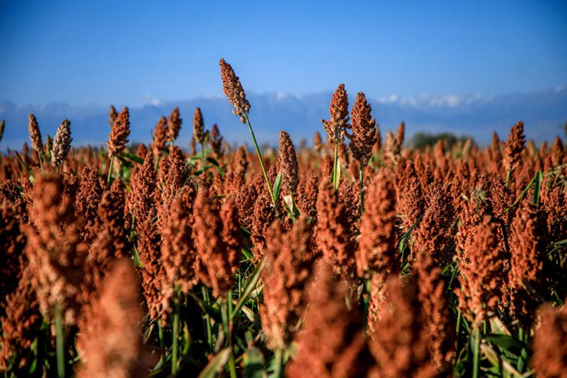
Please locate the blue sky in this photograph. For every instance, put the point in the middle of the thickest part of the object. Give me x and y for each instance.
(134, 52)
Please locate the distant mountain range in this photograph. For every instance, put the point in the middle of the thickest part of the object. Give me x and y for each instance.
(544, 114)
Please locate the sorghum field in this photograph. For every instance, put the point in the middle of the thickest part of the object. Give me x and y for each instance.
(355, 258)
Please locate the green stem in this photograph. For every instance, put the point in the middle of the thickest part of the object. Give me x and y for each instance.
(40, 158)
(458, 330)
(161, 343)
(334, 177)
(175, 332)
(278, 363)
(60, 343)
(361, 189)
(203, 156)
(228, 333)
(207, 318)
(230, 304)
(476, 354)
(508, 175)
(261, 161)
(110, 169)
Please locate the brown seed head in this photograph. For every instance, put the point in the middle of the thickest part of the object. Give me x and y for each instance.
(343, 352)
(337, 125)
(289, 263)
(141, 151)
(409, 194)
(160, 136)
(216, 141)
(119, 133)
(328, 167)
(174, 125)
(61, 143)
(35, 134)
(216, 261)
(400, 136)
(231, 234)
(12, 258)
(263, 216)
(399, 346)
(527, 247)
(515, 145)
(112, 341)
(363, 130)
(333, 231)
(110, 241)
(154, 278)
(88, 198)
(496, 144)
(288, 163)
(20, 323)
(141, 198)
(55, 252)
(432, 241)
(317, 142)
(234, 91)
(306, 197)
(377, 251)
(112, 114)
(172, 175)
(245, 201)
(178, 251)
(378, 145)
(482, 267)
(199, 127)
(391, 149)
(2, 127)
(549, 344)
(240, 162)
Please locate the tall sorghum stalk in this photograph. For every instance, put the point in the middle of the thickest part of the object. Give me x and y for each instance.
(235, 93)
(363, 137)
(515, 145)
(120, 130)
(336, 127)
(200, 134)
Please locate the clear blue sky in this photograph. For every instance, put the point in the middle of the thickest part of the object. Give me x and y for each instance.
(137, 51)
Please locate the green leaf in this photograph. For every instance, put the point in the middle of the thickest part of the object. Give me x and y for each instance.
(137, 261)
(213, 312)
(132, 157)
(524, 192)
(24, 165)
(245, 230)
(199, 156)
(249, 287)
(537, 187)
(504, 341)
(291, 207)
(278, 185)
(213, 162)
(33, 366)
(247, 254)
(254, 364)
(216, 365)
